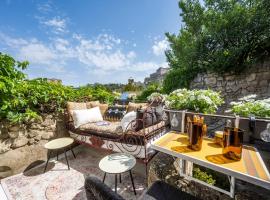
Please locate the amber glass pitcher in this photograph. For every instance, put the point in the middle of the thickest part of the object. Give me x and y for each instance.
(196, 130)
(232, 143)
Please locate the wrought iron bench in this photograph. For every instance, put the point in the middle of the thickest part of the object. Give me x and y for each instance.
(111, 137)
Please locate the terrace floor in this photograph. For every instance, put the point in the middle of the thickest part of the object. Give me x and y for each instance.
(60, 183)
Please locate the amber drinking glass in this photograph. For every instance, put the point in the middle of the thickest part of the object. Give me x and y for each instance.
(232, 143)
(196, 131)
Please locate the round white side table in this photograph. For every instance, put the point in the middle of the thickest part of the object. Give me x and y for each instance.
(118, 163)
(58, 144)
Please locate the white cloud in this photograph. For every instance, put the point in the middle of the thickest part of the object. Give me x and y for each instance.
(63, 48)
(131, 55)
(45, 7)
(57, 24)
(143, 66)
(164, 65)
(15, 42)
(103, 55)
(37, 53)
(102, 60)
(160, 46)
(103, 52)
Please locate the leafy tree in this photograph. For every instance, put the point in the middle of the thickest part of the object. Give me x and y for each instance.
(151, 88)
(10, 68)
(23, 100)
(130, 87)
(112, 86)
(220, 36)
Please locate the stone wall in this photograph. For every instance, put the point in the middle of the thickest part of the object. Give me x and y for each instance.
(21, 145)
(254, 80)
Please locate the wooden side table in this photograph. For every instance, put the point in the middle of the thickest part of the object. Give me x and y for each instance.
(57, 145)
(118, 163)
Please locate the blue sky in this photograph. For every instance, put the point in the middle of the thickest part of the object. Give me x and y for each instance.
(88, 41)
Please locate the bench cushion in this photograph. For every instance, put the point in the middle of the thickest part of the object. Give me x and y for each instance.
(85, 105)
(114, 131)
(113, 128)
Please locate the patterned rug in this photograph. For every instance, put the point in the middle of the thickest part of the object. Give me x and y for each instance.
(60, 183)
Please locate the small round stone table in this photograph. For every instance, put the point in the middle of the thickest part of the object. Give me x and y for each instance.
(118, 163)
(57, 145)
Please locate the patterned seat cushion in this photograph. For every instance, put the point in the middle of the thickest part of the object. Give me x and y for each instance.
(111, 129)
(114, 131)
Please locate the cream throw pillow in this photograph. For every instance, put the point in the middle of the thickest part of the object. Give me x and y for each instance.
(85, 116)
(129, 117)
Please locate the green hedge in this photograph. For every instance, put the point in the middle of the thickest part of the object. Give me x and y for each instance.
(23, 100)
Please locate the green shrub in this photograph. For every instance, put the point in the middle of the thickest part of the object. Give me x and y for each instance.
(249, 106)
(203, 176)
(205, 101)
(151, 88)
(23, 100)
(211, 177)
(103, 95)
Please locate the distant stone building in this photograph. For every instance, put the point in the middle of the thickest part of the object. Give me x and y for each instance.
(54, 80)
(156, 77)
(133, 85)
(131, 81)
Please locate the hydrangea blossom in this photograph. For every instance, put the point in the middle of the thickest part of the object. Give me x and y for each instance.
(206, 101)
(247, 106)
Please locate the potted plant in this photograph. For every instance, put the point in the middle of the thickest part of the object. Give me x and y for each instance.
(249, 106)
(204, 101)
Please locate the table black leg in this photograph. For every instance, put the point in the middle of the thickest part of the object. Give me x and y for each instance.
(49, 156)
(57, 155)
(104, 177)
(72, 152)
(115, 188)
(66, 159)
(132, 182)
(120, 178)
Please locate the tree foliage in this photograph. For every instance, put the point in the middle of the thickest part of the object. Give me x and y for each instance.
(132, 87)
(151, 88)
(220, 36)
(23, 100)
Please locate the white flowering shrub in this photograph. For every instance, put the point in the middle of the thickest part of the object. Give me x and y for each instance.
(157, 97)
(247, 106)
(205, 101)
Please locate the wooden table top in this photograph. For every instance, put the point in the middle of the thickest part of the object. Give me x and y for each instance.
(250, 168)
